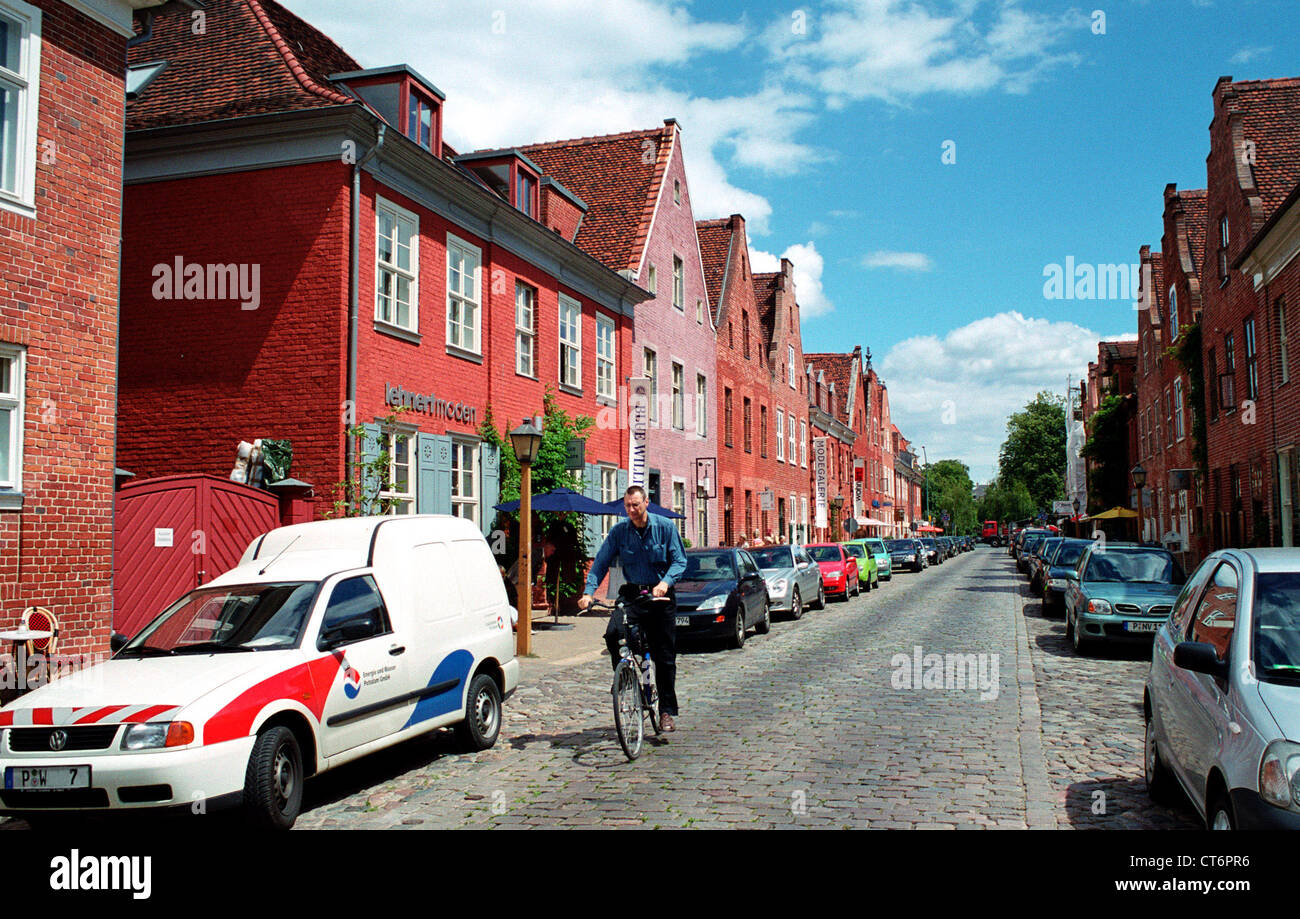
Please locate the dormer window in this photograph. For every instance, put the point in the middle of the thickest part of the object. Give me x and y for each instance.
(510, 174)
(404, 99)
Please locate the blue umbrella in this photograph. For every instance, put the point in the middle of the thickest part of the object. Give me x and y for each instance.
(563, 500)
(616, 507)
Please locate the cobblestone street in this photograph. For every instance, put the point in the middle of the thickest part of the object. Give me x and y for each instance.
(804, 727)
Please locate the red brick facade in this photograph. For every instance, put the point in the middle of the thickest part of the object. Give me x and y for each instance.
(58, 318)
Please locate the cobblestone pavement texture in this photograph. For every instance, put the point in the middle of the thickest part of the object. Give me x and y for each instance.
(804, 727)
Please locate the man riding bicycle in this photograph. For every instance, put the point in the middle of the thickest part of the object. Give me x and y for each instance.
(652, 556)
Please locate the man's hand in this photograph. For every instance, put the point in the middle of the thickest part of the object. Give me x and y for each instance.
(584, 601)
(661, 589)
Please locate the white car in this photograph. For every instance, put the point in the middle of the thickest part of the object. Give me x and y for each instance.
(328, 641)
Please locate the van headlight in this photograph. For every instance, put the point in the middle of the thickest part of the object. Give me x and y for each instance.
(154, 735)
(717, 601)
(1279, 773)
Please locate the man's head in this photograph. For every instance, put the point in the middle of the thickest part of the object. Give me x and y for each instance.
(636, 504)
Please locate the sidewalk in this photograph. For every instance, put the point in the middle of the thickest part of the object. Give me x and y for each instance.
(555, 649)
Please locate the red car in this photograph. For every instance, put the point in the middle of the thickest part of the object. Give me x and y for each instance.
(839, 569)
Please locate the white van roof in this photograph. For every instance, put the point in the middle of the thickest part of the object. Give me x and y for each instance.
(355, 542)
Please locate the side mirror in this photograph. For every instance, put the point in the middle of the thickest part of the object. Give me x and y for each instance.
(1072, 576)
(354, 629)
(117, 641)
(1200, 657)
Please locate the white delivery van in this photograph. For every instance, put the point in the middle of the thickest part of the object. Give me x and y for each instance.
(328, 641)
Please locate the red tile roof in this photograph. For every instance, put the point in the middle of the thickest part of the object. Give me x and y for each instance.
(619, 177)
(1270, 111)
(838, 369)
(1195, 220)
(765, 288)
(715, 247)
(256, 57)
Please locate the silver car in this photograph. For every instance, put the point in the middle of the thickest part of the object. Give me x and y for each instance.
(793, 579)
(1222, 697)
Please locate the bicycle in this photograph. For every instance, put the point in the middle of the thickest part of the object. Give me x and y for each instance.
(633, 689)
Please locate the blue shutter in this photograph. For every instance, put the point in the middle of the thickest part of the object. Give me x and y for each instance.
(591, 489)
(433, 491)
(490, 466)
(371, 447)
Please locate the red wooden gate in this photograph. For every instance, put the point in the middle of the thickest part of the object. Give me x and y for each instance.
(172, 534)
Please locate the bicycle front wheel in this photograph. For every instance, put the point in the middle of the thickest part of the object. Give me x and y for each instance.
(627, 709)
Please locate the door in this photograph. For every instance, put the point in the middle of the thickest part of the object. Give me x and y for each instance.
(370, 697)
(1200, 701)
(752, 588)
(809, 575)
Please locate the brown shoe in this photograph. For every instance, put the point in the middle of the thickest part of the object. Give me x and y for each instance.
(667, 723)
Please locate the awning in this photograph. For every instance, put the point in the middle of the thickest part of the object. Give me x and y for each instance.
(873, 522)
(1115, 513)
(927, 528)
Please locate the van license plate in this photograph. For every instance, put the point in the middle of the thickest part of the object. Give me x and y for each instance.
(683, 620)
(46, 778)
(1142, 626)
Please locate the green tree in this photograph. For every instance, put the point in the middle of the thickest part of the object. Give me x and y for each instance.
(1004, 501)
(950, 491)
(1034, 451)
(1107, 448)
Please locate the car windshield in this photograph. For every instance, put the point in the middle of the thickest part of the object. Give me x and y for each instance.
(1277, 627)
(824, 553)
(711, 566)
(1141, 566)
(774, 557)
(856, 549)
(876, 546)
(249, 617)
(1069, 553)
(1048, 547)
(901, 545)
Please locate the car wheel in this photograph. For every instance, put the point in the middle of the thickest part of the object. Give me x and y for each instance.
(738, 629)
(821, 595)
(796, 606)
(482, 721)
(1160, 780)
(1219, 815)
(765, 624)
(1079, 642)
(1069, 625)
(273, 780)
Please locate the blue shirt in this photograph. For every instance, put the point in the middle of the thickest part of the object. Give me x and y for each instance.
(647, 558)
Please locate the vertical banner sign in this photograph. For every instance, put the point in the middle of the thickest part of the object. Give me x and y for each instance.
(638, 423)
(819, 467)
(859, 477)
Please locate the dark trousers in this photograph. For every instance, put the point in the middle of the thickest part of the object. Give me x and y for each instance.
(657, 623)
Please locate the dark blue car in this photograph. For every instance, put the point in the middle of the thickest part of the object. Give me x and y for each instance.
(721, 595)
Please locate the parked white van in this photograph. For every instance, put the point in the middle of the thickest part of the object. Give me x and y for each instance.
(328, 641)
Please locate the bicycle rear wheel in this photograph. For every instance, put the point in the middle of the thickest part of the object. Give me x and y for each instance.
(628, 720)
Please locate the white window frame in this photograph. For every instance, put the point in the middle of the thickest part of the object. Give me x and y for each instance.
(570, 345)
(650, 370)
(699, 310)
(14, 401)
(679, 508)
(526, 333)
(790, 454)
(701, 404)
(1283, 354)
(405, 499)
(399, 215)
(606, 357)
(468, 252)
(789, 363)
(803, 443)
(473, 501)
(678, 382)
(780, 436)
(652, 279)
(1173, 313)
(679, 283)
(677, 191)
(1179, 430)
(25, 84)
(608, 492)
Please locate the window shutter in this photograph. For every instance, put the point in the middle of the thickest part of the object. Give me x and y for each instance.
(591, 489)
(433, 492)
(490, 467)
(621, 478)
(371, 447)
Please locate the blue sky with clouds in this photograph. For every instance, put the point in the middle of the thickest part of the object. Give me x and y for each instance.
(826, 124)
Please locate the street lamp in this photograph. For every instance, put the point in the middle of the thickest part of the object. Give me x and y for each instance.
(526, 441)
(1139, 479)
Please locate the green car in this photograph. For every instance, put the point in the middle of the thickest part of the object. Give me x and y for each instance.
(868, 572)
(876, 549)
(1120, 592)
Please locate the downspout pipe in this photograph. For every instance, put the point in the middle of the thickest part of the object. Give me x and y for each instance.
(354, 269)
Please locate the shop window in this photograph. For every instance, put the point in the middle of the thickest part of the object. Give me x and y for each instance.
(465, 461)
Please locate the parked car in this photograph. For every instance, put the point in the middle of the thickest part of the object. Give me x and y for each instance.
(324, 643)
(791, 576)
(1032, 542)
(934, 555)
(884, 565)
(906, 553)
(1120, 594)
(1038, 560)
(1222, 697)
(1060, 565)
(867, 568)
(839, 568)
(721, 595)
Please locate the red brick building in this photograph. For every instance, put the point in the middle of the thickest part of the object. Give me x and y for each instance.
(844, 379)
(828, 418)
(62, 79)
(1113, 373)
(881, 498)
(1252, 167)
(390, 273)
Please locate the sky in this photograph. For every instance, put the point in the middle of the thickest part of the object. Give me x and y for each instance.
(924, 163)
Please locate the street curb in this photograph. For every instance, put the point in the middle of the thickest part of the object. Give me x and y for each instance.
(1040, 813)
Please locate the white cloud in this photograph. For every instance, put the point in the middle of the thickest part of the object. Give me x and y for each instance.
(954, 393)
(895, 50)
(808, 267)
(904, 261)
(521, 72)
(1246, 55)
